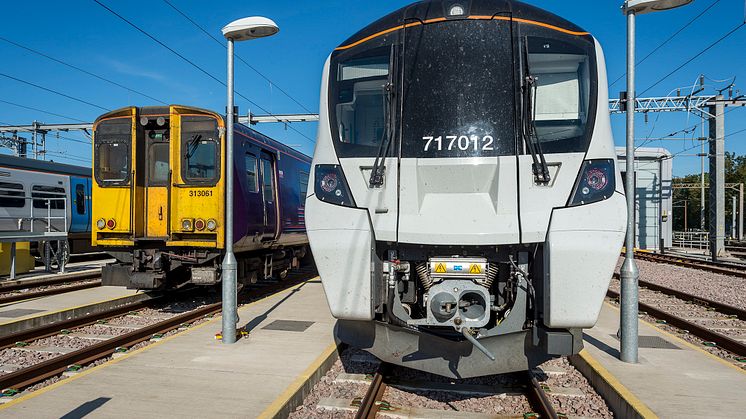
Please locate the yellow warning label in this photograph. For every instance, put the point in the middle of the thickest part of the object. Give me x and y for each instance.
(440, 269)
(475, 269)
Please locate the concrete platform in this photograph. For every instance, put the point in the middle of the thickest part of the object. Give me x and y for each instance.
(31, 313)
(71, 269)
(194, 375)
(686, 382)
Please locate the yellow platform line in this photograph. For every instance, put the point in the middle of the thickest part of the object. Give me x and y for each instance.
(130, 354)
(49, 313)
(620, 389)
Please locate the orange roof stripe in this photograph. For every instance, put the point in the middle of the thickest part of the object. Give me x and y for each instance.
(473, 17)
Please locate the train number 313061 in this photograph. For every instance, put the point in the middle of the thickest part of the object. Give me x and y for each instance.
(200, 193)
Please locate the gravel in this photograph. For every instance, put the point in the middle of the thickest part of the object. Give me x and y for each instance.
(712, 286)
(511, 402)
(45, 288)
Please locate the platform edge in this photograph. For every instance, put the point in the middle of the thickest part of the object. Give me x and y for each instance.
(620, 399)
(297, 391)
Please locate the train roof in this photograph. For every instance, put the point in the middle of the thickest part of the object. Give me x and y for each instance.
(13, 162)
(280, 147)
(438, 9)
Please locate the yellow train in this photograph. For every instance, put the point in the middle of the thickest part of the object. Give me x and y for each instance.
(159, 195)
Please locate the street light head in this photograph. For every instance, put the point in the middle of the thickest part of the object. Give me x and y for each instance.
(650, 6)
(250, 28)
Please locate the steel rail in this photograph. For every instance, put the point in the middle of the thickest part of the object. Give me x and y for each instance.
(723, 308)
(50, 329)
(22, 284)
(701, 332)
(731, 270)
(54, 366)
(45, 293)
(369, 404)
(538, 398)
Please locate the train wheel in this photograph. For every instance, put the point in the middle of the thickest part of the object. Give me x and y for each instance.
(282, 274)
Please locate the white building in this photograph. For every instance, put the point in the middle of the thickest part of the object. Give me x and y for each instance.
(653, 196)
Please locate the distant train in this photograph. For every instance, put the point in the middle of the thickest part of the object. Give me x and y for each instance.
(467, 210)
(57, 197)
(159, 198)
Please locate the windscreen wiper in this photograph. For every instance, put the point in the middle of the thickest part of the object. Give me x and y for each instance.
(539, 166)
(192, 145)
(376, 175)
(379, 167)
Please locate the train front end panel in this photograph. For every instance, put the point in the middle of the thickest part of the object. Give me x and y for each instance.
(466, 210)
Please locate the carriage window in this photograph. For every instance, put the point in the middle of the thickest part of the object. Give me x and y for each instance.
(56, 195)
(303, 187)
(158, 164)
(562, 93)
(359, 102)
(12, 195)
(200, 150)
(251, 178)
(267, 180)
(80, 199)
(113, 162)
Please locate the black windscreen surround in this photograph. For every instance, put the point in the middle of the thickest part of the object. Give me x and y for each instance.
(564, 96)
(200, 149)
(113, 142)
(459, 91)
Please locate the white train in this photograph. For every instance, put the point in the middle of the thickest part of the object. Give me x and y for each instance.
(467, 210)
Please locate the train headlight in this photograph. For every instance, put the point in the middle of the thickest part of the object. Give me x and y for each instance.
(331, 185)
(212, 224)
(596, 182)
(199, 224)
(111, 224)
(101, 224)
(187, 224)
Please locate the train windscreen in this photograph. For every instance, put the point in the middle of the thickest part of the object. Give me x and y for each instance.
(200, 148)
(458, 93)
(562, 94)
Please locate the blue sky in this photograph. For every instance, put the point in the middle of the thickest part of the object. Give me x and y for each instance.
(84, 34)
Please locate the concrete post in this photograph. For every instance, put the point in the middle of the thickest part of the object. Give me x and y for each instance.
(13, 260)
(230, 286)
(740, 212)
(733, 219)
(629, 272)
(717, 178)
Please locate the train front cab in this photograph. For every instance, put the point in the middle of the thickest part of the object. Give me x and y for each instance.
(457, 239)
(158, 195)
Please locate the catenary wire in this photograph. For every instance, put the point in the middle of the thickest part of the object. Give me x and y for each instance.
(668, 40)
(222, 44)
(722, 38)
(54, 91)
(193, 64)
(81, 70)
(42, 111)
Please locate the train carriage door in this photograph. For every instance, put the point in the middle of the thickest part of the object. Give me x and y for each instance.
(157, 175)
(458, 154)
(269, 195)
(80, 218)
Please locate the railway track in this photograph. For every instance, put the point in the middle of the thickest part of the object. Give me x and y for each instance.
(38, 372)
(373, 401)
(55, 287)
(716, 267)
(708, 333)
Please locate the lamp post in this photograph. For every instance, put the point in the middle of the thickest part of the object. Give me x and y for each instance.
(629, 272)
(239, 30)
